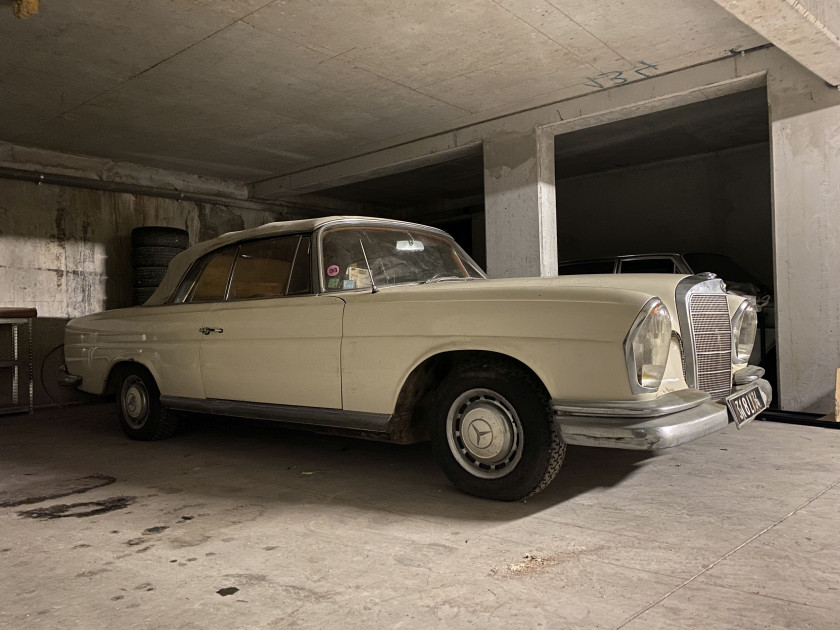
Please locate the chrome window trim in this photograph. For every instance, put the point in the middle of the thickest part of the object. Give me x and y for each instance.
(700, 283)
(629, 359)
(300, 237)
(203, 258)
(237, 245)
(230, 275)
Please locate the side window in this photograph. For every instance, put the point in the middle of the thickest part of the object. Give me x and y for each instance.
(648, 265)
(213, 278)
(301, 281)
(263, 268)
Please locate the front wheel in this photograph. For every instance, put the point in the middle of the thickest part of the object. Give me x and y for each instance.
(493, 432)
(140, 412)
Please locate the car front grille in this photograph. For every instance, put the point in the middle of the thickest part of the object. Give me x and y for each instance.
(712, 343)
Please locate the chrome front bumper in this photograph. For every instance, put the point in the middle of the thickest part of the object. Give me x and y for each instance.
(643, 426)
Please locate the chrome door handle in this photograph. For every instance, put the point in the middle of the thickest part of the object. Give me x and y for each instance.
(207, 331)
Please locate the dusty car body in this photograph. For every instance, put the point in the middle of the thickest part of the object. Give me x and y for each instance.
(389, 330)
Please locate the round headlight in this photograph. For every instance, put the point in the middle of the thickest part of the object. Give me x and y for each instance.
(646, 347)
(744, 326)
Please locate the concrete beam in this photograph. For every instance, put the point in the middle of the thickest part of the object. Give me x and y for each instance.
(397, 159)
(520, 205)
(794, 29)
(690, 85)
(438, 210)
(22, 158)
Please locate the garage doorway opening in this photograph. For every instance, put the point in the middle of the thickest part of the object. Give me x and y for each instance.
(693, 179)
(448, 195)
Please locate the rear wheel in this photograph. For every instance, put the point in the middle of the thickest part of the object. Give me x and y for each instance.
(493, 432)
(140, 412)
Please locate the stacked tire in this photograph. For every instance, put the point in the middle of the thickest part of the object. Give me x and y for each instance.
(152, 249)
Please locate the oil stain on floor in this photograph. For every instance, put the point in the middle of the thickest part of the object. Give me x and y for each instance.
(79, 510)
(53, 489)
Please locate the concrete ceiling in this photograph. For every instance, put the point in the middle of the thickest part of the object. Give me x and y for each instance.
(728, 122)
(250, 89)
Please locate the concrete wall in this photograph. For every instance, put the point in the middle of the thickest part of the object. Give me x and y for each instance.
(805, 140)
(826, 11)
(66, 251)
(715, 202)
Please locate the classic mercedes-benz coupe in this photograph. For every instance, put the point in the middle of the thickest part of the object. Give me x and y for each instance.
(390, 331)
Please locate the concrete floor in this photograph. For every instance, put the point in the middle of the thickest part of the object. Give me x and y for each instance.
(737, 530)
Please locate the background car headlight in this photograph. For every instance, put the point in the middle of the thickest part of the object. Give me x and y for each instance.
(744, 325)
(646, 347)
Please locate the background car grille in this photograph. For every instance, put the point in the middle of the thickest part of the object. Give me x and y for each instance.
(712, 335)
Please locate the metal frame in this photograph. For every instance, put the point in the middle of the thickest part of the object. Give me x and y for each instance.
(16, 362)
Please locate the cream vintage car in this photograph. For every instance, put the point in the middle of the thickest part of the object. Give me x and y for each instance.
(390, 331)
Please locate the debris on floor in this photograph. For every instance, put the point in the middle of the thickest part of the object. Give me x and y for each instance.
(155, 530)
(531, 564)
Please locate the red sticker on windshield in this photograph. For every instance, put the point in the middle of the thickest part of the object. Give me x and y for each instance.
(332, 270)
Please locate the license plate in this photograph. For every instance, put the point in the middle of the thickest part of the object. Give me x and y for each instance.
(745, 406)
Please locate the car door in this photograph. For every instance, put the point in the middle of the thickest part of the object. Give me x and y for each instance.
(172, 335)
(272, 340)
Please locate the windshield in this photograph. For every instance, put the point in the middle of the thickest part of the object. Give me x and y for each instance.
(396, 256)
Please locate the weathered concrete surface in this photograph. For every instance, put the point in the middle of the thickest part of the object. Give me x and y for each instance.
(795, 28)
(250, 89)
(568, 112)
(805, 141)
(66, 251)
(42, 160)
(520, 205)
(737, 530)
(826, 11)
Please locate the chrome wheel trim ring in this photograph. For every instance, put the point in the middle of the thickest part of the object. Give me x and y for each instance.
(484, 433)
(135, 402)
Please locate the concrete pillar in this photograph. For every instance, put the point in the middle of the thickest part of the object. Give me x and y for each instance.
(805, 138)
(520, 205)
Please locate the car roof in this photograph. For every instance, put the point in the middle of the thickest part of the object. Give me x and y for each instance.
(183, 261)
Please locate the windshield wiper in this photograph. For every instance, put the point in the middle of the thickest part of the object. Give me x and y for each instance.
(446, 278)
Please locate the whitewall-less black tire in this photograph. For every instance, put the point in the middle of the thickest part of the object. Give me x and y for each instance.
(493, 431)
(138, 404)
